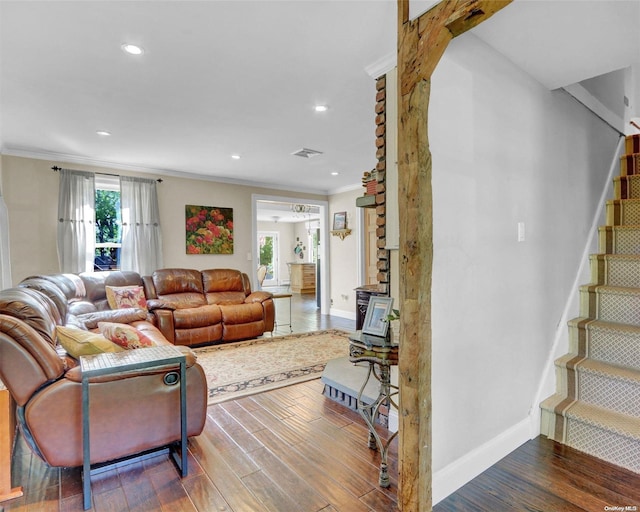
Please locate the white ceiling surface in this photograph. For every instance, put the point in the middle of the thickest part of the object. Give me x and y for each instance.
(562, 42)
(216, 78)
(223, 77)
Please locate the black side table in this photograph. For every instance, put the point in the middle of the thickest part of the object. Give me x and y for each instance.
(109, 363)
(381, 355)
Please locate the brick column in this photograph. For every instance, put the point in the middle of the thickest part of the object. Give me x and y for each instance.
(381, 167)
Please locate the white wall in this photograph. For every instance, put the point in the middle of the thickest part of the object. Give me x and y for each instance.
(505, 150)
(30, 189)
(344, 256)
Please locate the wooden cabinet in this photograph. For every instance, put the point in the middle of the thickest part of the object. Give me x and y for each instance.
(303, 277)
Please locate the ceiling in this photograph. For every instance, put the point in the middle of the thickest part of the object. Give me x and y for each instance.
(242, 77)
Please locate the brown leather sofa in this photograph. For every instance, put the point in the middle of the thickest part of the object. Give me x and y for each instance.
(131, 412)
(193, 307)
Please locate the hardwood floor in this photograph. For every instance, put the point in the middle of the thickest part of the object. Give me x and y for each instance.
(305, 315)
(290, 449)
(293, 450)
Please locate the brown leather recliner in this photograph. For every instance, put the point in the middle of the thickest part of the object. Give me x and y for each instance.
(193, 307)
(130, 413)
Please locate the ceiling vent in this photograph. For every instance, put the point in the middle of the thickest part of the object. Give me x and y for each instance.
(307, 153)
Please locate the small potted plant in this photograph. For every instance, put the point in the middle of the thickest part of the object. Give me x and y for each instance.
(393, 319)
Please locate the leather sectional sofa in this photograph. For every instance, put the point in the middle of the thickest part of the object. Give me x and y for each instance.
(131, 412)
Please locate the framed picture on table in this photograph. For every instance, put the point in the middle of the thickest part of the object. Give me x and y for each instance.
(375, 321)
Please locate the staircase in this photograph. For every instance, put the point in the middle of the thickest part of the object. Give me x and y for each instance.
(596, 408)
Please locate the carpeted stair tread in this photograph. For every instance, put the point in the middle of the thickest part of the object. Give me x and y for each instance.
(628, 186)
(596, 406)
(619, 239)
(610, 303)
(630, 165)
(609, 342)
(622, 424)
(623, 212)
(632, 144)
(615, 270)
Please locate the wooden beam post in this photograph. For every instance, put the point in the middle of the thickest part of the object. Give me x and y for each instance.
(421, 44)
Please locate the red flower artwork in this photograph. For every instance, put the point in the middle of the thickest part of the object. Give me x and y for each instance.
(209, 230)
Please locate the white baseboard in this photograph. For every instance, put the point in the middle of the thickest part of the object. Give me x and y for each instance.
(342, 314)
(466, 468)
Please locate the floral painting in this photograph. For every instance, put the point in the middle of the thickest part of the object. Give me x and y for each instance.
(209, 229)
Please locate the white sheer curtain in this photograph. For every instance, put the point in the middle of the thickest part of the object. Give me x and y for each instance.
(5, 262)
(76, 218)
(141, 234)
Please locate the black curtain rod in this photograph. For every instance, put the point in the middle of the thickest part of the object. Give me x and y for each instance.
(56, 169)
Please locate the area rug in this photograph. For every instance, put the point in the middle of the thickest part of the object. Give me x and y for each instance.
(239, 369)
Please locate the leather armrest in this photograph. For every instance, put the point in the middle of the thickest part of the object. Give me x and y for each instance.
(258, 296)
(164, 322)
(153, 304)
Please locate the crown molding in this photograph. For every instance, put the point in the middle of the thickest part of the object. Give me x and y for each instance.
(75, 159)
(382, 66)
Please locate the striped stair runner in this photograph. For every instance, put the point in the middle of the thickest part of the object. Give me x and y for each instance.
(596, 407)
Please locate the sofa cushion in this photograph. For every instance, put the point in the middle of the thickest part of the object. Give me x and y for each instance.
(241, 314)
(226, 297)
(124, 335)
(33, 308)
(83, 343)
(120, 297)
(170, 281)
(222, 280)
(51, 290)
(202, 316)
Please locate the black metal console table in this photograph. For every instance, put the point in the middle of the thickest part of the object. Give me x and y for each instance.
(381, 355)
(109, 363)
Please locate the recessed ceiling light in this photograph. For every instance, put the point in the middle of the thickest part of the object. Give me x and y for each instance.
(235, 157)
(132, 49)
(321, 108)
(335, 173)
(104, 133)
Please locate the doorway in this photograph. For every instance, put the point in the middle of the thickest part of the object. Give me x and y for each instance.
(300, 224)
(268, 255)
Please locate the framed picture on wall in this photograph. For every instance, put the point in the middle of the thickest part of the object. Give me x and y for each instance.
(339, 220)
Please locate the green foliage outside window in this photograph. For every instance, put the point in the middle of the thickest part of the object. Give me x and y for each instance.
(107, 216)
(266, 251)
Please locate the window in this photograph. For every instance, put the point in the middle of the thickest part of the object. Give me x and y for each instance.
(108, 223)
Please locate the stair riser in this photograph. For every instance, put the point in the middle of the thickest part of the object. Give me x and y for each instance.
(619, 241)
(623, 308)
(615, 271)
(609, 392)
(630, 165)
(623, 213)
(627, 187)
(621, 348)
(606, 445)
(632, 144)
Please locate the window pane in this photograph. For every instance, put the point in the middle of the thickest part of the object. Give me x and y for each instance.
(108, 230)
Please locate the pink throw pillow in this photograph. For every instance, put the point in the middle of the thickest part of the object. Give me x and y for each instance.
(120, 297)
(125, 335)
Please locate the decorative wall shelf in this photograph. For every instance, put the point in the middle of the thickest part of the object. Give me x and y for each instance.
(342, 233)
(366, 202)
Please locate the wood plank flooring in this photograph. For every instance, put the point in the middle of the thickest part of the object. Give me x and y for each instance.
(294, 450)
